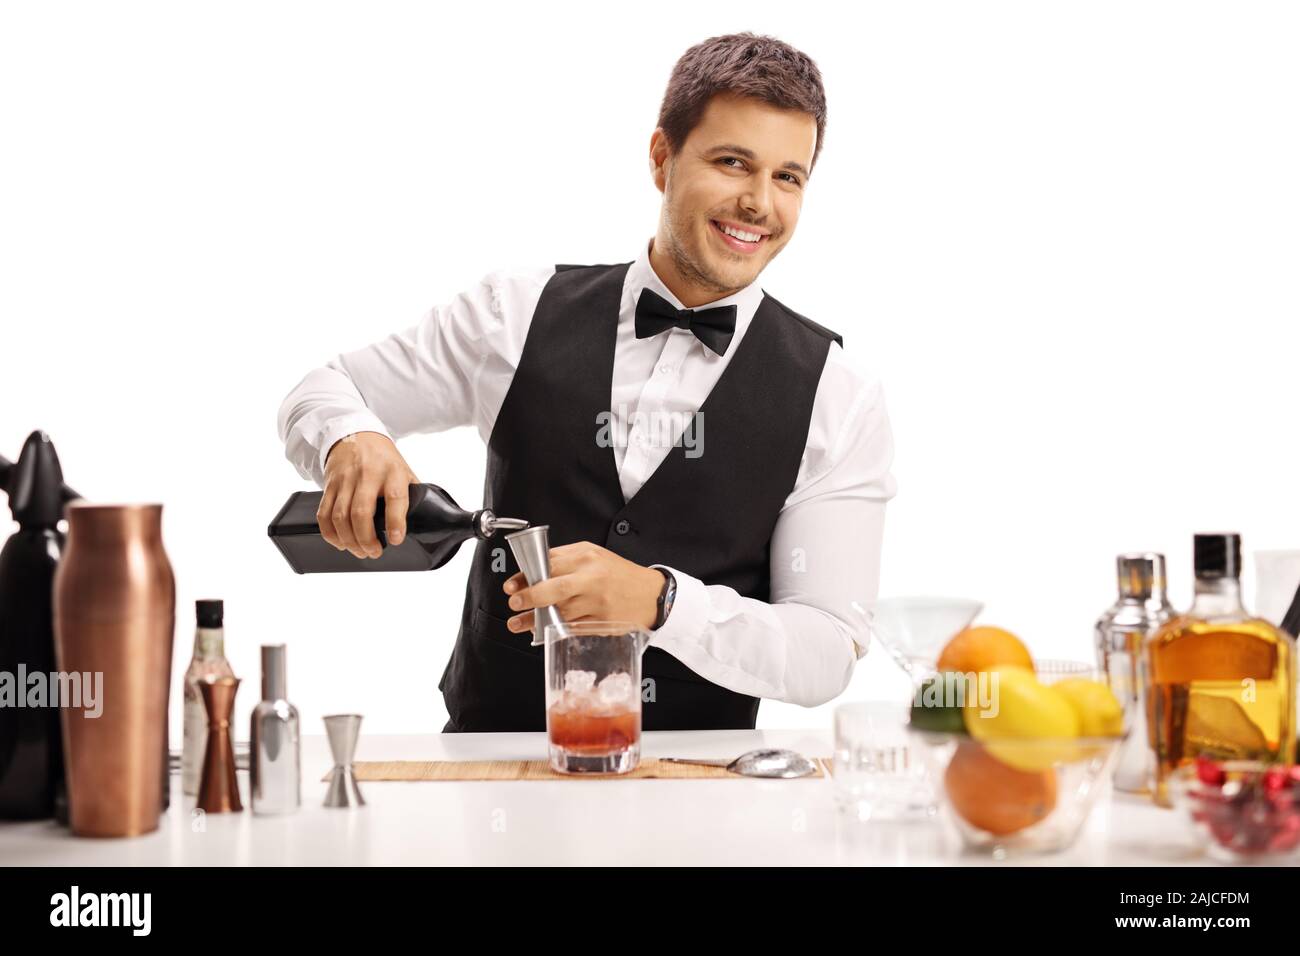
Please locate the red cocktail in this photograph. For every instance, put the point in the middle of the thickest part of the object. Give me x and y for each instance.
(591, 732)
(593, 697)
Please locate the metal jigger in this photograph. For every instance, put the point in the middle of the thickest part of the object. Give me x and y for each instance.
(218, 788)
(532, 549)
(343, 731)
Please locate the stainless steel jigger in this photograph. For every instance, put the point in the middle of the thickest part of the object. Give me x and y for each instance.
(343, 730)
(532, 549)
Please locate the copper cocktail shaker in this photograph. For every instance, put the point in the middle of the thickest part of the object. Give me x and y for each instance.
(114, 618)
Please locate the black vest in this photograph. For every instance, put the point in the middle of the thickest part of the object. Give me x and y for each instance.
(709, 515)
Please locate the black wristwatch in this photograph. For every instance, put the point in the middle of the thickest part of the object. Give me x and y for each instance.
(664, 605)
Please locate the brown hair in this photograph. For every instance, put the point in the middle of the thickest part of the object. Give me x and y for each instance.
(760, 67)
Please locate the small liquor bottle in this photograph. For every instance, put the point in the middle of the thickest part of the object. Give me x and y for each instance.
(209, 660)
(436, 527)
(1219, 681)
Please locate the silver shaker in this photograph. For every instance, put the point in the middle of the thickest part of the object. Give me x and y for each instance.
(1121, 632)
(275, 766)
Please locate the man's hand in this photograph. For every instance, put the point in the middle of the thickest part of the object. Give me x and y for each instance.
(591, 583)
(358, 469)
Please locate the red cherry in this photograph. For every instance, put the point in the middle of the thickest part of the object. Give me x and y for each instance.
(1286, 840)
(1223, 832)
(1283, 802)
(1209, 772)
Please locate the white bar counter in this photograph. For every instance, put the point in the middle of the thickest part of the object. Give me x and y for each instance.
(577, 822)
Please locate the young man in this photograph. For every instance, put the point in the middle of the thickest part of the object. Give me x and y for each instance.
(711, 466)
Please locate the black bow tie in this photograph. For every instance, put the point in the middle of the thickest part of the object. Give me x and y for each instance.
(713, 327)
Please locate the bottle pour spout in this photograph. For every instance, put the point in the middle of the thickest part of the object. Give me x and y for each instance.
(488, 524)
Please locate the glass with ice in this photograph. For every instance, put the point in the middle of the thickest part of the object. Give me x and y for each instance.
(593, 696)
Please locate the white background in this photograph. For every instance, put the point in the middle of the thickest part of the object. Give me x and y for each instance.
(1065, 234)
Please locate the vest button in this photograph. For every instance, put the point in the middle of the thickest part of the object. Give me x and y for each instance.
(623, 526)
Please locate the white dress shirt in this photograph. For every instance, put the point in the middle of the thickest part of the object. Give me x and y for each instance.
(454, 368)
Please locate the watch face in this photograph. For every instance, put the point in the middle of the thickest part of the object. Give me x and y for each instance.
(666, 597)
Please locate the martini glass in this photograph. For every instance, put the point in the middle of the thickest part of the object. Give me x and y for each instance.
(914, 629)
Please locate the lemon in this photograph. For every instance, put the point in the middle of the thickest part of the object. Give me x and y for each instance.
(1099, 712)
(1013, 709)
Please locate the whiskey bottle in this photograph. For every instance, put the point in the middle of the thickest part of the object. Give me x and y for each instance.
(1219, 682)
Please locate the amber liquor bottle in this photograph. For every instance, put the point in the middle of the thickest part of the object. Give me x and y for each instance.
(1219, 682)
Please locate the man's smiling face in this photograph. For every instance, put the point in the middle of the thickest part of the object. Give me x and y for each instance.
(742, 169)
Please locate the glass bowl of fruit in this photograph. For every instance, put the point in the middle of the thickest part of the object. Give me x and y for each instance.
(1018, 796)
(1240, 811)
(1019, 756)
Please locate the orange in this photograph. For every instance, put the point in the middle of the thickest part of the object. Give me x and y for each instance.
(983, 648)
(993, 797)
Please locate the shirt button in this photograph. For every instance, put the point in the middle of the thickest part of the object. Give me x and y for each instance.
(623, 526)
(665, 369)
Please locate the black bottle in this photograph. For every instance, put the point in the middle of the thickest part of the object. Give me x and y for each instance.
(1291, 621)
(31, 741)
(436, 527)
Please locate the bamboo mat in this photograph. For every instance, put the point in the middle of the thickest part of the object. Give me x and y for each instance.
(649, 768)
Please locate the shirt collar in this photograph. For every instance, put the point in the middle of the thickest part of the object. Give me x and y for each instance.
(641, 275)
